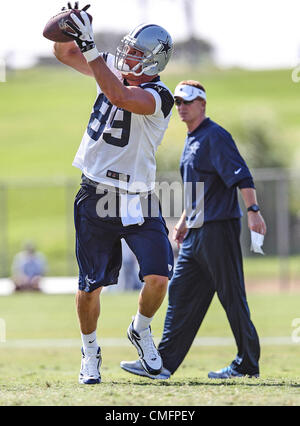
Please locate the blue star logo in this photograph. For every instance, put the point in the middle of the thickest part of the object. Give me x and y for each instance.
(165, 46)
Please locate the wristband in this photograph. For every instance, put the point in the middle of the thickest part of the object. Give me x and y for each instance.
(92, 54)
(254, 208)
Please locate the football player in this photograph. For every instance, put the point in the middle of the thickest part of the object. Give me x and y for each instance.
(127, 124)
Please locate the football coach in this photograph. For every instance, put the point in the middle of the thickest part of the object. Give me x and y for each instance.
(210, 258)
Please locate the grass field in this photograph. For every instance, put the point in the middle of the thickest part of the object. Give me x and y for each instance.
(44, 113)
(41, 357)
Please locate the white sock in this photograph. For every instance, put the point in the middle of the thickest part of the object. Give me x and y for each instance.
(89, 341)
(141, 322)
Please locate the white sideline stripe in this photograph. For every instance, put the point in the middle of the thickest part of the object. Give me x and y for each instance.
(49, 285)
(119, 342)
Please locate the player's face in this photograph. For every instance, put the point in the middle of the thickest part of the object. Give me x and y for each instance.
(131, 62)
(135, 80)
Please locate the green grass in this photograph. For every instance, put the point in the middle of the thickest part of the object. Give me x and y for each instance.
(268, 267)
(44, 113)
(36, 316)
(48, 375)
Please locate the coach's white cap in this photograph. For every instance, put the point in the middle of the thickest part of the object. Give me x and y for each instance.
(189, 93)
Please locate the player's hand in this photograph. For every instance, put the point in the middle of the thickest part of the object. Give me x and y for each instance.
(179, 232)
(256, 223)
(76, 6)
(83, 32)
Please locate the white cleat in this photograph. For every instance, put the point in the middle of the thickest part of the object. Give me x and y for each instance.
(135, 367)
(149, 356)
(90, 365)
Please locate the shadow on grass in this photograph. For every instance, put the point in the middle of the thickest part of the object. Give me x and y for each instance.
(225, 382)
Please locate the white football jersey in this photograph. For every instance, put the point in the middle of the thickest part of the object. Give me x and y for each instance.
(118, 147)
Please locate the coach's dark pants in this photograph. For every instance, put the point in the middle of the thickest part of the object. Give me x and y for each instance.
(210, 260)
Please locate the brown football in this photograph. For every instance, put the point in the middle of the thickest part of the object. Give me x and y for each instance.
(55, 25)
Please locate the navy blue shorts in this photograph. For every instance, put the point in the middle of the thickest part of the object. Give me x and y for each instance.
(98, 244)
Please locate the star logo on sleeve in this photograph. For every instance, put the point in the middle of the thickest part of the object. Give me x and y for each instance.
(165, 46)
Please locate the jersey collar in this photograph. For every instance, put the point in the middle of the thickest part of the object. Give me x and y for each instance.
(155, 79)
(203, 124)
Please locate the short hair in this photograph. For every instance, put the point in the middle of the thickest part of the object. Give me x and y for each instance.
(193, 83)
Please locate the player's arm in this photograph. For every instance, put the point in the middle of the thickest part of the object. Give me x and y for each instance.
(131, 98)
(70, 54)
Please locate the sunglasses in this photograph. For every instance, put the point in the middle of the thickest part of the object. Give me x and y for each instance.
(180, 101)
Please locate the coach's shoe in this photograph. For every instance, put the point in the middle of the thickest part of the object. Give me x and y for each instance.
(149, 355)
(229, 373)
(135, 367)
(90, 365)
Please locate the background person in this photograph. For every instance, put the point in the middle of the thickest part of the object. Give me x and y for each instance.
(28, 267)
(129, 272)
(210, 258)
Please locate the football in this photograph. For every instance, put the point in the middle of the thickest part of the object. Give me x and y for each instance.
(55, 25)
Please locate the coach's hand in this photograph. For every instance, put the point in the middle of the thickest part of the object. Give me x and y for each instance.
(179, 232)
(256, 223)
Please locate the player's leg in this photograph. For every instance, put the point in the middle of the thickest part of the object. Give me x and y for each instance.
(152, 248)
(190, 294)
(152, 294)
(139, 331)
(223, 253)
(88, 310)
(98, 252)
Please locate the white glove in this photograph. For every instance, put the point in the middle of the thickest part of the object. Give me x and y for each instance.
(83, 35)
